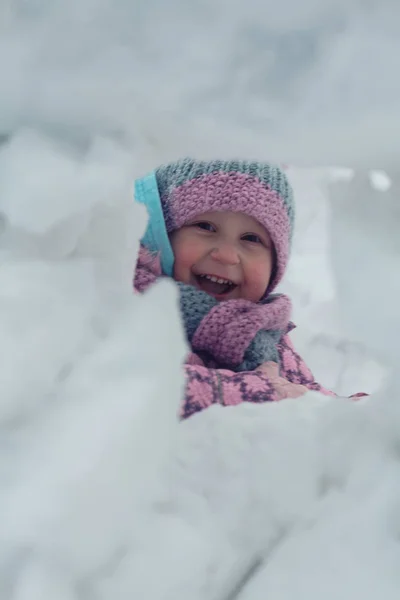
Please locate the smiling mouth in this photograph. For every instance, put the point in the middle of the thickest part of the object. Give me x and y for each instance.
(216, 286)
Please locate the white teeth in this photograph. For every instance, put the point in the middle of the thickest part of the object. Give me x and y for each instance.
(216, 279)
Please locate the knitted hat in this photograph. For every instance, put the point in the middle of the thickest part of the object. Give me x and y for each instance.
(189, 187)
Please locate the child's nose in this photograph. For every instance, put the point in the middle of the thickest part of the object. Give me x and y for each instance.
(226, 253)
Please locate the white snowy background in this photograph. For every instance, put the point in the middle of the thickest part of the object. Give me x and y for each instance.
(103, 493)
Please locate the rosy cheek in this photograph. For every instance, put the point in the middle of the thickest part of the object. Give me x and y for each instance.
(261, 273)
(188, 256)
(187, 253)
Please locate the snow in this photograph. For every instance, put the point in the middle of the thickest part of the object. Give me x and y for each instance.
(380, 180)
(103, 492)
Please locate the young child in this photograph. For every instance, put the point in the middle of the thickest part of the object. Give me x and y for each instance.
(223, 231)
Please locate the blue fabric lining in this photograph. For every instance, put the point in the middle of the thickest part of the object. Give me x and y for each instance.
(156, 236)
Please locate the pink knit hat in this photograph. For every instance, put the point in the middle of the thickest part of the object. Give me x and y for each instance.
(261, 190)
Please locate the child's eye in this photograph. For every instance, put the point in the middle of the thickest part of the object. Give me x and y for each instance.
(252, 237)
(204, 225)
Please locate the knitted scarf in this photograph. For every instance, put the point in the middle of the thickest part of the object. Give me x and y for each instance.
(235, 334)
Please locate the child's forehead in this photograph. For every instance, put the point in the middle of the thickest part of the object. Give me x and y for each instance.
(224, 216)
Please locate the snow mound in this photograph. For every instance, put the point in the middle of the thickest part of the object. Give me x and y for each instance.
(83, 378)
(365, 257)
(103, 492)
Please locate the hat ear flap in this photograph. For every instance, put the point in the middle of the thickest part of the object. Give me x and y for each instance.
(156, 236)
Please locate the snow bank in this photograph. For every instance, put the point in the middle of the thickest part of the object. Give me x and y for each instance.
(103, 494)
(88, 402)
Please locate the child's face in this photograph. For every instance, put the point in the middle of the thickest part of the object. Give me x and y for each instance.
(224, 245)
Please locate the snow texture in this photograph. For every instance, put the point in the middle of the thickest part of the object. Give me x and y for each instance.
(103, 492)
